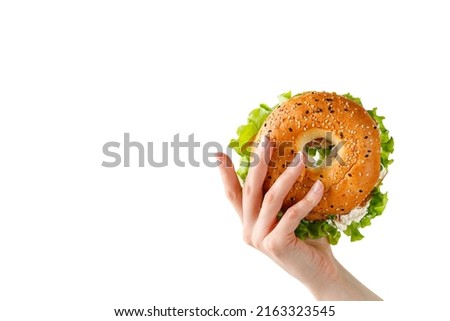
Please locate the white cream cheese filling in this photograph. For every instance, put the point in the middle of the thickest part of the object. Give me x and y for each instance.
(355, 215)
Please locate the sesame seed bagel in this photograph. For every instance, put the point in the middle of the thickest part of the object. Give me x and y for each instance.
(351, 170)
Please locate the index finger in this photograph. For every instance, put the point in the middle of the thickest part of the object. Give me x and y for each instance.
(231, 183)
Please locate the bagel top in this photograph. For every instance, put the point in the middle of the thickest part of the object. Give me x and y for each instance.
(350, 175)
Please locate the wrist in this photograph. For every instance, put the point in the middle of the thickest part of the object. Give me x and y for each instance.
(340, 285)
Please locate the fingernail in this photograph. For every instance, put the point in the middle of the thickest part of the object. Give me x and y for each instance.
(297, 159)
(263, 143)
(317, 186)
(220, 158)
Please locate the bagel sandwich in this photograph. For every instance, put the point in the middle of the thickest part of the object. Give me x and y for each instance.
(344, 145)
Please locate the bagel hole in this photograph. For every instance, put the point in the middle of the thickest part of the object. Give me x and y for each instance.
(319, 152)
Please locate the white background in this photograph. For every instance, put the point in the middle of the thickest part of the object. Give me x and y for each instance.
(78, 239)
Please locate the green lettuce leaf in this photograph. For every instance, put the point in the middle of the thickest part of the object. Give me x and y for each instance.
(376, 207)
(327, 228)
(355, 99)
(387, 142)
(284, 97)
(353, 231)
(246, 133)
(317, 229)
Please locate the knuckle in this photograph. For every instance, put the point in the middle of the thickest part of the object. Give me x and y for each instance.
(232, 196)
(257, 242)
(274, 246)
(248, 190)
(270, 197)
(291, 212)
(247, 237)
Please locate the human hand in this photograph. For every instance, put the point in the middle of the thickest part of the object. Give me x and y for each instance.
(310, 261)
